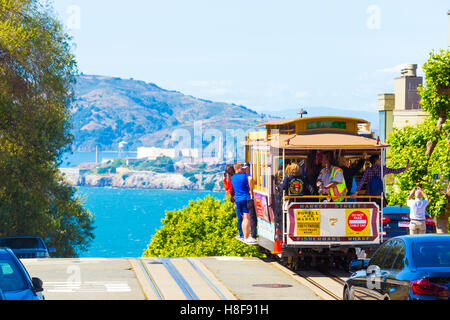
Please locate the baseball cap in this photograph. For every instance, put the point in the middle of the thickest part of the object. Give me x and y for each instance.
(246, 165)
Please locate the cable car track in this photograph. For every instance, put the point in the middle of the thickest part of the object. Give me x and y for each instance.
(319, 286)
(178, 277)
(151, 280)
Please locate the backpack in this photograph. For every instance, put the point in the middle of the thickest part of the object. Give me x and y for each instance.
(376, 186)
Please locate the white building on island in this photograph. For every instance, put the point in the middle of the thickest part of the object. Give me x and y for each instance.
(152, 153)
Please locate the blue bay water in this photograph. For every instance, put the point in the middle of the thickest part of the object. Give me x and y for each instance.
(126, 219)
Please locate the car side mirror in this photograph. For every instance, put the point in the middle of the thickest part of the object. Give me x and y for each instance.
(37, 284)
(359, 264)
(51, 250)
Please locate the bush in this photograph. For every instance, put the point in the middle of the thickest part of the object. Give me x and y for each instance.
(206, 227)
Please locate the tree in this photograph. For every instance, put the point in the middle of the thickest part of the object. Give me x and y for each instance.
(206, 227)
(410, 143)
(427, 145)
(37, 74)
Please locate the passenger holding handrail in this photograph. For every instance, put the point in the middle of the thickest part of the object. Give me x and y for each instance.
(251, 206)
(350, 172)
(331, 179)
(242, 195)
(372, 176)
(294, 183)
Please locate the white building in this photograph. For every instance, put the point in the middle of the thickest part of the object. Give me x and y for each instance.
(401, 107)
(153, 153)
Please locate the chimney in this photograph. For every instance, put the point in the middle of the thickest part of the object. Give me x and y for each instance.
(409, 70)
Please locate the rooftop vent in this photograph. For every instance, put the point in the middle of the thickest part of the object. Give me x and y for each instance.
(409, 70)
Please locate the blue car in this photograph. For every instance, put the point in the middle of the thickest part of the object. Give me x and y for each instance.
(403, 268)
(15, 282)
(396, 222)
(26, 247)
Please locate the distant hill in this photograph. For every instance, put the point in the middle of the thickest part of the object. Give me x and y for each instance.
(110, 110)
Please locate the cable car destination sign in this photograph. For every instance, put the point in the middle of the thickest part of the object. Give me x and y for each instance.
(322, 222)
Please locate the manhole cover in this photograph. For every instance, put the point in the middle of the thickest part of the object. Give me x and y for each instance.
(272, 285)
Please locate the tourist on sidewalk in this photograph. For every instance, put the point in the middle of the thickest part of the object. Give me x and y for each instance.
(417, 208)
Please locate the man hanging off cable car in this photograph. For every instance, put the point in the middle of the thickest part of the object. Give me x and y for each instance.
(331, 179)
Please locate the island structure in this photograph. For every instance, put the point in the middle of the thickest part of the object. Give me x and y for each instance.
(152, 168)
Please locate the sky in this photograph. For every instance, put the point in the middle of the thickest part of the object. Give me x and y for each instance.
(265, 55)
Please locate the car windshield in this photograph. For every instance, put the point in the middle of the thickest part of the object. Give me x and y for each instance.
(21, 243)
(431, 254)
(11, 278)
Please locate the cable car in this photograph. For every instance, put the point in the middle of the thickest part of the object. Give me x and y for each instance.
(311, 229)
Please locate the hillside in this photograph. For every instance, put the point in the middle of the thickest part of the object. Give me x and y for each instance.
(110, 110)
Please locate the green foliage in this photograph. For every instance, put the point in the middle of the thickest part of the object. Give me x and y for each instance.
(37, 73)
(161, 164)
(427, 145)
(409, 143)
(437, 76)
(70, 227)
(206, 227)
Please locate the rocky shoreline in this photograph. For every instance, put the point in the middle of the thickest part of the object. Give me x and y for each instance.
(144, 180)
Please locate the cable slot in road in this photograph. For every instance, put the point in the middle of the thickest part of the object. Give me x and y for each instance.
(319, 286)
(151, 280)
(182, 283)
(215, 289)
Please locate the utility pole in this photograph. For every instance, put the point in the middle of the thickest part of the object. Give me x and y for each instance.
(302, 112)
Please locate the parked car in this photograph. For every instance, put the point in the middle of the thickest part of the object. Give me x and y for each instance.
(26, 247)
(15, 282)
(405, 267)
(396, 222)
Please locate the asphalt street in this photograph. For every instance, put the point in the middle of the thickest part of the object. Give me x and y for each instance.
(206, 278)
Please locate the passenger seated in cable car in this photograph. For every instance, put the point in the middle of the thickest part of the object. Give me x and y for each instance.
(295, 184)
(331, 179)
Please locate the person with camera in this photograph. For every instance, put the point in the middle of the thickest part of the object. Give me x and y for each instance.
(417, 211)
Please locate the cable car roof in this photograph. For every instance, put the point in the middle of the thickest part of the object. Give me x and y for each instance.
(321, 141)
(308, 119)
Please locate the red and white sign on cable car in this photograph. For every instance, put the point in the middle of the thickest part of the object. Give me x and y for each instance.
(357, 221)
